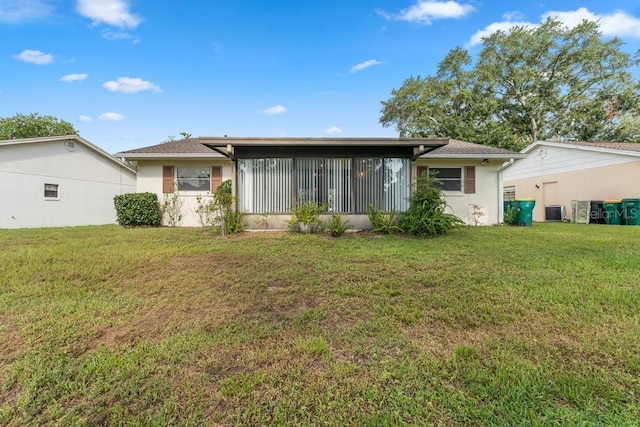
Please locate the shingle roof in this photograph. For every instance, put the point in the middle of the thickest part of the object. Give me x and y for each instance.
(183, 146)
(624, 146)
(456, 147)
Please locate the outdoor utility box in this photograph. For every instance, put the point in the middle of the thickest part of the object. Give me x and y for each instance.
(613, 212)
(596, 212)
(631, 211)
(554, 213)
(526, 212)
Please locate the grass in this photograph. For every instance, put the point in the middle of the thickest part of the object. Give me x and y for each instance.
(487, 326)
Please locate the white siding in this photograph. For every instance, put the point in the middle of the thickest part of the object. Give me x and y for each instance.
(150, 180)
(87, 182)
(488, 195)
(556, 160)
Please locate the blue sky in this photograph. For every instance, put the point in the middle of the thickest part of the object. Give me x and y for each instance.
(129, 73)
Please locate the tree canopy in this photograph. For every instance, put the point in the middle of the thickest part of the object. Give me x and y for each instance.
(548, 82)
(34, 125)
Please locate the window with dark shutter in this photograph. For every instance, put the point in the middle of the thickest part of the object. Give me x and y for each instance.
(167, 179)
(470, 179)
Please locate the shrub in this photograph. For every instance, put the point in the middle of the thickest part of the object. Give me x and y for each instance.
(137, 210)
(306, 215)
(226, 220)
(336, 226)
(171, 207)
(384, 223)
(426, 215)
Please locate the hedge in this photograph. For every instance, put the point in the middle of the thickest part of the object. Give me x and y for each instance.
(137, 210)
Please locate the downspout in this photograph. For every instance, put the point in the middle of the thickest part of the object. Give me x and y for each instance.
(501, 189)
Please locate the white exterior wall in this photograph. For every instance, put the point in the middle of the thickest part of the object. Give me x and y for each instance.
(87, 183)
(488, 195)
(562, 174)
(150, 180)
(556, 160)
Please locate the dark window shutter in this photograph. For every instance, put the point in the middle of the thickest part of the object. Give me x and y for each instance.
(216, 177)
(470, 180)
(167, 179)
(421, 169)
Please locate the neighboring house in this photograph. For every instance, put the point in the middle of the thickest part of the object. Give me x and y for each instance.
(270, 175)
(59, 181)
(557, 173)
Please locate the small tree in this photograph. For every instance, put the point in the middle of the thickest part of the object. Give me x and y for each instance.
(227, 220)
(172, 207)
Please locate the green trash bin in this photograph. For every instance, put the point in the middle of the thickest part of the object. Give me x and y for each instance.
(526, 212)
(631, 211)
(613, 212)
(511, 212)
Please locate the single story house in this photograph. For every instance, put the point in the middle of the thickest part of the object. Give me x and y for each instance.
(59, 181)
(271, 175)
(557, 173)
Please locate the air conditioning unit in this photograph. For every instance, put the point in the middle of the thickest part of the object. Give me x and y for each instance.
(555, 213)
(580, 211)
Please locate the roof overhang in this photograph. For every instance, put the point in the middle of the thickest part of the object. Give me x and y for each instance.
(475, 156)
(569, 146)
(136, 156)
(227, 145)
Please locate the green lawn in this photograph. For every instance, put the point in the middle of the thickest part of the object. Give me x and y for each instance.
(486, 326)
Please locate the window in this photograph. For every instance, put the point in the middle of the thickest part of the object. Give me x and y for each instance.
(193, 178)
(450, 178)
(344, 185)
(509, 193)
(51, 191)
(265, 185)
(383, 183)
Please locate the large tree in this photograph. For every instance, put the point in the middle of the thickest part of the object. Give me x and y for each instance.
(529, 83)
(34, 125)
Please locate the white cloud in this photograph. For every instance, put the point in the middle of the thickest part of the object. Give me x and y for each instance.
(504, 26)
(276, 109)
(333, 130)
(425, 11)
(16, 11)
(111, 12)
(85, 119)
(73, 77)
(35, 57)
(116, 35)
(111, 117)
(618, 23)
(513, 15)
(366, 64)
(130, 85)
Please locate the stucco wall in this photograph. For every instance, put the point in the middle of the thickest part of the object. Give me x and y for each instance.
(87, 182)
(488, 195)
(150, 180)
(617, 181)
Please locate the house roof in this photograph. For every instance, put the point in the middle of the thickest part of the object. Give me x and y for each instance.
(625, 148)
(223, 147)
(463, 149)
(191, 147)
(66, 139)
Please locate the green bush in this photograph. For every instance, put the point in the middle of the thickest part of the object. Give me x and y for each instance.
(384, 223)
(336, 226)
(306, 215)
(137, 210)
(226, 220)
(426, 215)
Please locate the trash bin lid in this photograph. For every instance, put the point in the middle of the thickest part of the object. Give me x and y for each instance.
(526, 200)
(612, 201)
